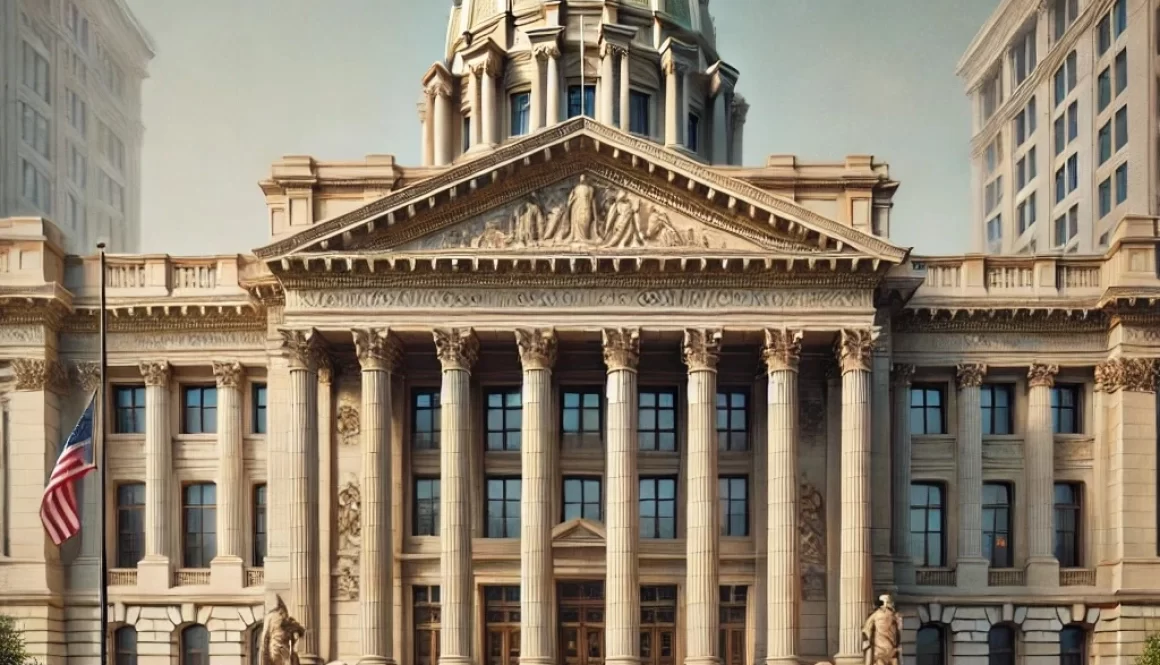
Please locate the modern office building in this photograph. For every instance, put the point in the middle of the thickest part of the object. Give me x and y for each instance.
(587, 391)
(70, 118)
(1065, 119)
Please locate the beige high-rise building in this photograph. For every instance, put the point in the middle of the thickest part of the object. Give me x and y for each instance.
(1064, 114)
(586, 391)
(70, 118)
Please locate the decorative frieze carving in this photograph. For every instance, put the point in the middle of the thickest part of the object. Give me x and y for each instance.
(457, 348)
(971, 375)
(701, 349)
(348, 424)
(782, 350)
(812, 536)
(377, 349)
(537, 347)
(164, 342)
(621, 348)
(1071, 451)
(37, 374)
(303, 348)
(1130, 374)
(155, 372)
(901, 375)
(1042, 375)
(229, 374)
(88, 375)
(855, 347)
(15, 335)
(349, 539)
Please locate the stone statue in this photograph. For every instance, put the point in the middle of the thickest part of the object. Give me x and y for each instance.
(492, 237)
(882, 634)
(623, 229)
(582, 211)
(280, 633)
(529, 222)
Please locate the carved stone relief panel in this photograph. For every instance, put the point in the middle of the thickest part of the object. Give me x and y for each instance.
(349, 538)
(347, 424)
(812, 542)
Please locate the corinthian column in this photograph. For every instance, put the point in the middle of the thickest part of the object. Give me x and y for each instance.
(378, 353)
(672, 71)
(701, 352)
(457, 349)
(607, 91)
(1042, 566)
(625, 89)
(854, 593)
(971, 570)
(781, 354)
(302, 349)
(227, 566)
(552, 109)
(153, 570)
(621, 356)
(903, 565)
(440, 134)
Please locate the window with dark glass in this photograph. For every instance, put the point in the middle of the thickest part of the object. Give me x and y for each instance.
(657, 420)
(1104, 89)
(1072, 646)
(574, 101)
(1068, 509)
(260, 528)
(425, 416)
(1001, 646)
(1121, 67)
(927, 525)
(638, 112)
(426, 517)
(1063, 13)
(125, 646)
(425, 609)
(927, 409)
(130, 409)
(732, 420)
(200, 410)
(521, 113)
(1120, 14)
(130, 524)
(731, 635)
(503, 507)
(199, 521)
(504, 416)
(997, 547)
(658, 625)
(581, 415)
(1120, 122)
(1105, 197)
(466, 133)
(1065, 78)
(734, 496)
(658, 508)
(255, 641)
(1065, 409)
(1103, 35)
(195, 646)
(582, 499)
(1121, 183)
(997, 400)
(259, 408)
(501, 616)
(930, 645)
(693, 138)
(1104, 142)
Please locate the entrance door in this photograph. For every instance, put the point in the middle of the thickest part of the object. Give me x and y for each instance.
(658, 625)
(502, 620)
(581, 623)
(732, 636)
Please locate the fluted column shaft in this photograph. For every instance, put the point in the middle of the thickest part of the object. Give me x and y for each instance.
(553, 106)
(672, 102)
(621, 357)
(458, 349)
(474, 122)
(488, 81)
(625, 87)
(537, 105)
(702, 607)
(607, 89)
(781, 354)
(972, 567)
(158, 459)
(230, 509)
(1042, 566)
(429, 131)
(901, 454)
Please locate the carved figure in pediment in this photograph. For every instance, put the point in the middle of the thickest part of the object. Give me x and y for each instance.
(582, 217)
(623, 227)
(528, 222)
(492, 237)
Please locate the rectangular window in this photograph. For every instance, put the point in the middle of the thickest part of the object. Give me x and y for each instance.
(927, 525)
(425, 608)
(503, 507)
(78, 165)
(76, 111)
(1065, 78)
(1025, 123)
(35, 74)
(1065, 409)
(993, 194)
(1120, 13)
(35, 187)
(1064, 13)
(582, 499)
(1072, 173)
(260, 528)
(734, 496)
(992, 93)
(1065, 226)
(258, 394)
(34, 130)
(1060, 134)
(1021, 173)
(199, 520)
(638, 112)
(1026, 213)
(927, 414)
(575, 101)
(425, 521)
(581, 419)
(1068, 513)
(997, 528)
(1104, 89)
(1105, 197)
(200, 410)
(1122, 183)
(129, 408)
(693, 136)
(111, 147)
(1023, 57)
(75, 212)
(658, 508)
(1104, 142)
(130, 524)
(1121, 71)
(1072, 121)
(466, 133)
(991, 155)
(425, 417)
(1103, 35)
(504, 419)
(996, 399)
(732, 420)
(1121, 125)
(521, 103)
(995, 230)
(657, 420)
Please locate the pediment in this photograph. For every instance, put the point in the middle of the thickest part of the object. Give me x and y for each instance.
(578, 532)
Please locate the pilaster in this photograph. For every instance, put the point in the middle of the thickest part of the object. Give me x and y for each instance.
(901, 460)
(154, 571)
(1039, 465)
(971, 568)
(227, 568)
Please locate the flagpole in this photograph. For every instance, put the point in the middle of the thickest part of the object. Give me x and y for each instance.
(103, 587)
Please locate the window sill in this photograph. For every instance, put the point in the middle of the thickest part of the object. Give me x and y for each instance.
(113, 437)
(1068, 438)
(931, 438)
(194, 438)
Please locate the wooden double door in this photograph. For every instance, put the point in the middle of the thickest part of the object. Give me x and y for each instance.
(581, 616)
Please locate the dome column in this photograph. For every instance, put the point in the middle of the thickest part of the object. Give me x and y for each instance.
(437, 85)
(545, 103)
(722, 80)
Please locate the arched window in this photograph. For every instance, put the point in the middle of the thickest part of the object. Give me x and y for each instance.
(195, 646)
(255, 644)
(125, 646)
(1001, 646)
(1072, 645)
(930, 645)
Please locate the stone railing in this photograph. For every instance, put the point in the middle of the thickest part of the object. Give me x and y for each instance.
(934, 577)
(1008, 276)
(122, 577)
(157, 276)
(1005, 577)
(1077, 577)
(192, 577)
(255, 577)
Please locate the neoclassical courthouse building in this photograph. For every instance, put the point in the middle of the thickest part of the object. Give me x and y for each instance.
(583, 389)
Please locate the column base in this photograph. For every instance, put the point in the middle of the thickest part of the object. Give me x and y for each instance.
(850, 659)
(702, 660)
(153, 573)
(479, 148)
(622, 660)
(227, 573)
(972, 573)
(454, 660)
(310, 659)
(1042, 572)
(375, 660)
(782, 660)
(543, 660)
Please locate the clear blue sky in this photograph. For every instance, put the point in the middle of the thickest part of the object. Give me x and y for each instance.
(235, 85)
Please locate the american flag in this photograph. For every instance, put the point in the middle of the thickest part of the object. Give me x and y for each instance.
(58, 507)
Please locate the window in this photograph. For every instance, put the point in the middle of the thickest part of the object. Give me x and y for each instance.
(425, 417)
(1025, 123)
(1059, 134)
(993, 194)
(34, 130)
(1103, 35)
(504, 419)
(260, 529)
(732, 422)
(425, 608)
(1066, 226)
(732, 631)
(78, 26)
(76, 111)
(1023, 55)
(1021, 173)
(574, 101)
(657, 420)
(501, 615)
(658, 508)
(658, 625)
(35, 188)
(259, 395)
(1120, 12)
(466, 133)
(638, 112)
(125, 646)
(1064, 13)
(693, 135)
(992, 93)
(130, 409)
(195, 646)
(78, 165)
(995, 230)
(35, 75)
(1026, 213)
(77, 67)
(1121, 66)
(425, 521)
(1001, 646)
(1065, 78)
(996, 402)
(927, 525)
(1121, 127)
(1104, 141)
(521, 103)
(1104, 89)
(1067, 178)
(734, 496)
(1073, 639)
(110, 191)
(503, 507)
(1122, 183)
(199, 519)
(1067, 525)
(930, 645)
(997, 525)
(75, 212)
(111, 146)
(991, 155)
(200, 410)
(1065, 405)
(130, 524)
(1105, 197)
(255, 643)
(582, 419)
(1072, 121)
(582, 499)
(926, 410)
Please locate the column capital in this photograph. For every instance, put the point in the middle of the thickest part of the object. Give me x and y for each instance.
(37, 374)
(537, 347)
(546, 51)
(229, 374)
(378, 349)
(739, 108)
(437, 88)
(855, 346)
(901, 375)
(621, 348)
(782, 350)
(702, 349)
(303, 348)
(457, 348)
(88, 375)
(1138, 375)
(613, 48)
(156, 372)
(970, 375)
(1042, 375)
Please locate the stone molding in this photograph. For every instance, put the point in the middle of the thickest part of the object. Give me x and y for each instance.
(88, 375)
(614, 49)
(901, 375)
(378, 349)
(1139, 375)
(457, 348)
(155, 372)
(545, 51)
(970, 375)
(229, 374)
(537, 347)
(782, 350)
(1042, 375)
(855, 347)
(303, 348)
(701, 349)
(37, 374)
(437, 88)
(621, 348)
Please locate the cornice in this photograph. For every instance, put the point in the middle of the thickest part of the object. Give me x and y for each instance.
(156, 319)
(995, 320)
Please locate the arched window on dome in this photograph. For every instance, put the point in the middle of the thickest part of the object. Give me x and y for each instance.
(1001, 646)
(1072, 645)
(195, 645)
(125, 646)
(930, 645)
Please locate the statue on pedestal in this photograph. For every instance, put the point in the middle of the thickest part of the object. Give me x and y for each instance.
(882, 634)
(280, 633)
